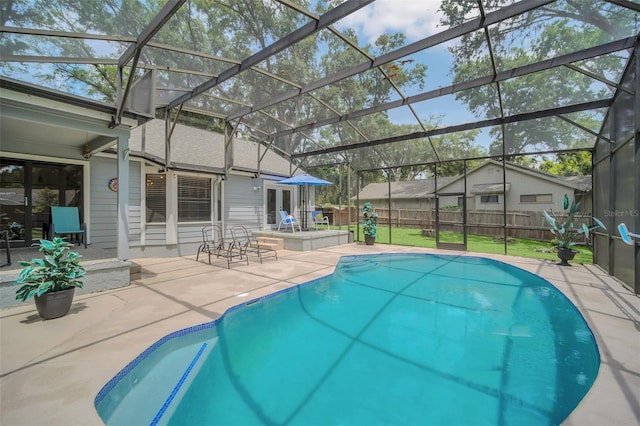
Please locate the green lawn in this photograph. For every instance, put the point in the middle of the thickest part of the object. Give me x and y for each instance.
(477, 243)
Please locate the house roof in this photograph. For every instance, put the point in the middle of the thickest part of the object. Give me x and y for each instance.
(490, 188)
(199, 149)
(424, 188)
(580, 183)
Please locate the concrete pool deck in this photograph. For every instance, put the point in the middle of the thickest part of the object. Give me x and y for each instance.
(51, 371)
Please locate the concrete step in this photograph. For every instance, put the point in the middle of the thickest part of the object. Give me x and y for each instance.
(271, 242)
(135, 271)
(265, 246)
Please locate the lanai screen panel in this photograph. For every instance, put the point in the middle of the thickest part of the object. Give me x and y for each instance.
(562, 87)
(188, 61)
(422, 66)
(559, 28)
(466, 106)
(545, 134)
(302, 110)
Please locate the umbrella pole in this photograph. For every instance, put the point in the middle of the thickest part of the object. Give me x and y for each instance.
(305, 199)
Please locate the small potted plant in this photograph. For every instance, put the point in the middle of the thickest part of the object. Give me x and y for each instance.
(369, 223)
(52, 279)
(564, 232)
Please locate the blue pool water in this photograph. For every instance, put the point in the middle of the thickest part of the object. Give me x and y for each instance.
(394, 339)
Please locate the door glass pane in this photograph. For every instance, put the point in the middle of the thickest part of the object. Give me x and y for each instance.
(53, 185)
(46, 191)
(12, 209)
(286, 200)
(271, 206)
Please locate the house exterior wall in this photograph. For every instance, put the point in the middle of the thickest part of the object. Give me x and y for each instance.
(521, 183)
(190, 233)
(242, 204)
(104, 206)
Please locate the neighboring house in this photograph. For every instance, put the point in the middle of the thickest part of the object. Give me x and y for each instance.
(526, 190)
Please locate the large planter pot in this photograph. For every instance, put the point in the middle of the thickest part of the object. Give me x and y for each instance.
(54, 305)
(369, 239)
(565, 255)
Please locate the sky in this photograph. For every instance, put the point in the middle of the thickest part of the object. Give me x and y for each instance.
(417, 19)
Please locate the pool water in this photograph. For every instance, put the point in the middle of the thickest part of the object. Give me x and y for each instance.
(393, 339)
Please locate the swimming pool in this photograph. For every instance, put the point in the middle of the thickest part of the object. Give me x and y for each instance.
(397, 339)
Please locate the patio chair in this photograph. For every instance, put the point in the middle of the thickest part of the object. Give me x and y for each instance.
(287, 219)
(213, 243)
(318, 219)
(66, 221)
(243, 242)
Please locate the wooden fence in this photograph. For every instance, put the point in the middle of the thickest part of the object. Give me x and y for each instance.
(520, 224)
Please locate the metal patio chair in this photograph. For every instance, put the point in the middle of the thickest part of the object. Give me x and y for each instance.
(243, 241)
(213, 243)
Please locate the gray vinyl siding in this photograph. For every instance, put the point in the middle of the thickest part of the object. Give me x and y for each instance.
(242, 205)
(155, 234)
(190, 232)
(104, 203)
(135, 203)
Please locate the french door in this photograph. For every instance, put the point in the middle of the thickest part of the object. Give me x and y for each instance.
(278, 197)
(28, 189)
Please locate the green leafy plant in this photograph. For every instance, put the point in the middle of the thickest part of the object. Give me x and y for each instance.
(369, 220)
(58, 270)
(564, 232)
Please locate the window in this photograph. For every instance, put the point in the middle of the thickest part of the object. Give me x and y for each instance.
(536, 198)
(488, 199)
(156, 198)
(461, 202)
(194, 199)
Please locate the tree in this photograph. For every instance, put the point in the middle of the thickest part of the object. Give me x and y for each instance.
(46, 197)
(576, 163)
(550, 30)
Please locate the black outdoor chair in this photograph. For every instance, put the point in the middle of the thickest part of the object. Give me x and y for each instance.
(243, 242)
(213, 243)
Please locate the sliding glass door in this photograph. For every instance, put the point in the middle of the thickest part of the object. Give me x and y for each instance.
(28, 189)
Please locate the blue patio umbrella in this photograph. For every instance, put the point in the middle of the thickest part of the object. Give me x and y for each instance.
(305, 180)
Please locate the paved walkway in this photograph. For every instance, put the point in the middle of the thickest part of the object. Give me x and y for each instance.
(51, 371)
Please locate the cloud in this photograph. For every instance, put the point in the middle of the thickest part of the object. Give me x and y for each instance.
(417, 19)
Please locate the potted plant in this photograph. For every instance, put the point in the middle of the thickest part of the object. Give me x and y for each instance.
(369, 223)
(565, 233)
(52, 279)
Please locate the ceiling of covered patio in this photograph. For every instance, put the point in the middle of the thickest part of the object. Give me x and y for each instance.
(371, 83)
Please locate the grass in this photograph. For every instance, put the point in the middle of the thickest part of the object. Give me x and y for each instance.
(477, 243)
